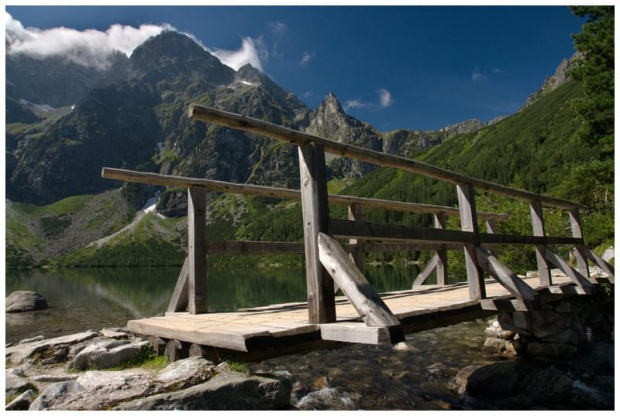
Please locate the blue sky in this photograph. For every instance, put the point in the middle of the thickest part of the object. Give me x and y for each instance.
(394, 67)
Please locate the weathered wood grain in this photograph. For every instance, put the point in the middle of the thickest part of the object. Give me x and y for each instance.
(538, 228)
(280, 193)
(252, 125)
(469, 224)
(355, 332)
(180, 295)
(606, 267)
(580, 249)
(315, 213)
(573, 274)
(439, 221)
(370, 307)
(358, 255)
(424, 275)
(196, 233)
(511, 282)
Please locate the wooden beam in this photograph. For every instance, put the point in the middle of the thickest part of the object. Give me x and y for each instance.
(358, 256)
(573, 274)
(606, 267)
(355, 332)
(196, 227)
(424, 275)
(253, 247)
(538, 228)
(469, 223)
(580, 250)
(378, 231)
(179, 298)
(509, 280)
(357, 289)
(442, 253)
(280, 193)
(315, 211)
(252, 125)
(372, 247)
(505, 305)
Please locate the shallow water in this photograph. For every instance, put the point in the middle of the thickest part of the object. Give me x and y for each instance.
(82, 299)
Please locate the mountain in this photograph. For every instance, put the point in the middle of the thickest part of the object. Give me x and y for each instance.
(559, 77)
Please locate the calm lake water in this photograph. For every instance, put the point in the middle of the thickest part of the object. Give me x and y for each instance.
(82, 299)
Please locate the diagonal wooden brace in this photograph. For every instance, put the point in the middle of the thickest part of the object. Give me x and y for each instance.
(427, 272)
(573, 274)
(606, 267)
(179, 299)
(367, 303)
(509, 280)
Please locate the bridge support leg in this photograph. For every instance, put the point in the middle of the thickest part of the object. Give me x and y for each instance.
(580, 250)
(355, 214)
(491, 229)
(315, 210)
(442, 254)
(538, 228)
(469, 222)
(196, 233)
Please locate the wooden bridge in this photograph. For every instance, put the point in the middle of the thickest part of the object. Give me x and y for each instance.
(361, 315)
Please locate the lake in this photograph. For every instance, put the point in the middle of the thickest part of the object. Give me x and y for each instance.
(95, 298)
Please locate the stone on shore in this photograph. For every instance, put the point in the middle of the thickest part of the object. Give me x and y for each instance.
(19, 353)
(55, 393)
(226, 391)
(327, 398)
(15, 382)
(185, 373)
(107, 354)
(25, 301)
(21, 402)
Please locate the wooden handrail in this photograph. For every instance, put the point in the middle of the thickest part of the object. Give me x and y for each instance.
(252, 125)
(272, 192)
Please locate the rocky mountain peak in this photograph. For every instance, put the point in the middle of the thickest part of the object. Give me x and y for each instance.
(249, 74)
(467, 126)
(559, 77)
(330, 105)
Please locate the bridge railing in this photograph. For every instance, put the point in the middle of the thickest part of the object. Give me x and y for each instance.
(328, 262)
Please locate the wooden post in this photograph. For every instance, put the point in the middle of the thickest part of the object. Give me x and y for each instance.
(442, 254)
(196, 225)
(538, 227)
(355, 214)
(179, 298)
(580, 253)
(491, 229)
(469, 222)
(315, 210)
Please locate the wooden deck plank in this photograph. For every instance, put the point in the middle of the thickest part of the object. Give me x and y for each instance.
(256, 329)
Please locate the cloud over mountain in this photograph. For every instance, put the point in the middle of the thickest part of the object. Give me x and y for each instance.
(94, 48)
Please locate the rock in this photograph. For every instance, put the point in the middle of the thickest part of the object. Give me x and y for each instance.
(53, 378)
(21, 402)
(499, 379)
(106, 389)
(531, 273)
(226, 391)
(113, 333)
(550, 385)
(23, 301)
(518, 402)
(499, 346)
(27, 340)
(15, 382)
(107, 354)
(439, 372)
(562, 307)
(184, 373)
(568, 336)
(327, 398)
(461, 378)
(19, 353)
(551, 350)
(54, 394)
(404, 346)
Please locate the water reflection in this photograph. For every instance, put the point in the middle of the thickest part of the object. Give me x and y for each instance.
(82, 299)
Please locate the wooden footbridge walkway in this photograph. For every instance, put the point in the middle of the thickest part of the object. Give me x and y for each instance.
(361, 315)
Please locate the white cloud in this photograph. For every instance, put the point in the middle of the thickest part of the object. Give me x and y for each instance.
(498, 71)
(385, 98)
(476, 75)
(94, 48)
(354, 104)
(307, 94)
(89, 47)
(306, 57)
(253, 52)
(277, 27)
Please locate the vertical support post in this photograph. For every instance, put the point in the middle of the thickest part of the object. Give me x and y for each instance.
(469, 222)
(442, 254)
(491, 229)
(357, 256)
(538, 228)
(580, 253)
(315, 210)
(196, 233)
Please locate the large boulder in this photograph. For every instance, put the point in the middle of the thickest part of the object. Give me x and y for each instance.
(55, 394)
(19, 353)
(15, 382)
(226, 391)
(327, 398)
(24, 301)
